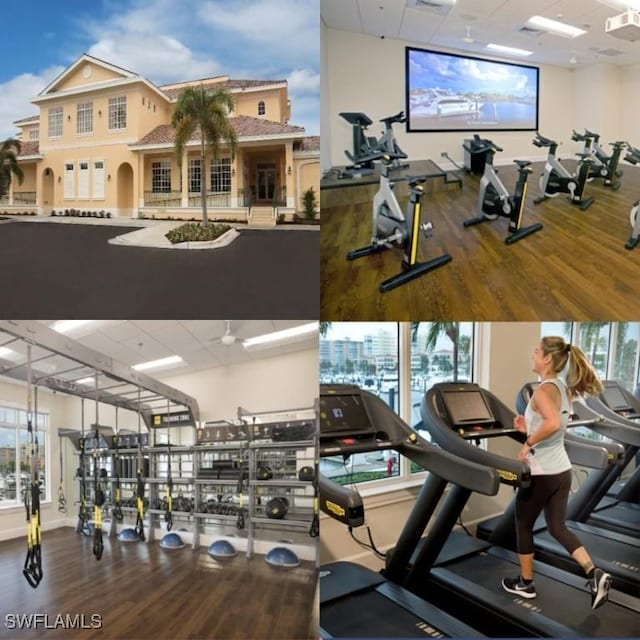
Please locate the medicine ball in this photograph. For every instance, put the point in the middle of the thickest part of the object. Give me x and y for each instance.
(306, 474)
(277, 508)
(264, 472)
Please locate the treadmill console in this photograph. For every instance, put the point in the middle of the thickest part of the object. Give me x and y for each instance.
(616, 399)
(469, 414)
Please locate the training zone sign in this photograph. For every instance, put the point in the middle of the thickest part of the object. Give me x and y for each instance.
(175, 419)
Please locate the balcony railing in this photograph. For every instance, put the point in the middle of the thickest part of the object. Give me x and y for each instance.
(24, 197)
(213, 199)
(163, 199)
(280, 197)
(245, 197)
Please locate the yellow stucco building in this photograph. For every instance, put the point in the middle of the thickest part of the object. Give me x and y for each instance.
(103, 142)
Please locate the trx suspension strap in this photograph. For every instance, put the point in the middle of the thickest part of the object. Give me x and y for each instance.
(139, 528)
(116, 512)
(168, 517)
(98, 493)
(32, 570)
(83, 514)
(62, 501)
(314, 530)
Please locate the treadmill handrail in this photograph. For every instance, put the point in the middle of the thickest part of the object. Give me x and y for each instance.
(511, 471)
(341, 503)
(608, 422)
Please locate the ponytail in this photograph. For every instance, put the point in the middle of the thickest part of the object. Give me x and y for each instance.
(581, 378)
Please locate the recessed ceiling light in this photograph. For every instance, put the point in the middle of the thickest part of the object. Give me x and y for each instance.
(556, 28)
(10, 354)
(64, 326)
(88, 382)
(514, 51)
(157, 364)
(279, 337)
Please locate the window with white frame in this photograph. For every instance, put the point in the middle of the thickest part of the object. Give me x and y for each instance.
(83, 180)
(221, 175)
(84, 117)
(194, 175)
(69, 180)
(55, 122)
(98, 179)
(262, 109)
(117, 113)
(161, 176)
(16, 452)
(34, 134)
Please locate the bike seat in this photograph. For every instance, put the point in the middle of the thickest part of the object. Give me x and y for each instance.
(416, 180)
(583, 155)
(522, 163)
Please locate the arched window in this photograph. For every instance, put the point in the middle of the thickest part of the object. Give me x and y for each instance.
(261, 108)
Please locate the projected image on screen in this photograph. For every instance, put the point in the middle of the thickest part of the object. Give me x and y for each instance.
(467, 407)
(448, 92)
(615, 399)
(343, 415)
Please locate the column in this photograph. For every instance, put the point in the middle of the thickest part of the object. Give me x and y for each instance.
(184, 182)
(290, 178)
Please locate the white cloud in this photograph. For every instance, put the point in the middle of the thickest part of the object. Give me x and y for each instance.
(17, 94)
(159, 58)
(304, 81)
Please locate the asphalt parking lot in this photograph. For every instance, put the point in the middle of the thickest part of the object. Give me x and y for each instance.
(70, 271)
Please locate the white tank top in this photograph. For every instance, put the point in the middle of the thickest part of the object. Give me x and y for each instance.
(550, 456)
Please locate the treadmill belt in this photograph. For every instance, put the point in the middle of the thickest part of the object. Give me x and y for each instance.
(626, 516)
(371, 615)
(563, 603)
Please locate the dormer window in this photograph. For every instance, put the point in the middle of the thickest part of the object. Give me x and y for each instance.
(261, 108)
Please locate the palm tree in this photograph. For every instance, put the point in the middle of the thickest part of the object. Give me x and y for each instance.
(206, 111)
(9, 167)
(591, 337)
(324, 328)
(450, 329)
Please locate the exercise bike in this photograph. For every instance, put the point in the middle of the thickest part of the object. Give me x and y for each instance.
(493, 199)
(363, 146)
(603, 166)
(388, 143)
(557, 179)
(633, 156)
(393, 229)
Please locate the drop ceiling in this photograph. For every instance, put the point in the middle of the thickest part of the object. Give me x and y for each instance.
(195, 341)
(497, 21)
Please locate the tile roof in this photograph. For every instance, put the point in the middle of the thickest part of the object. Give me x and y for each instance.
(308, 143)
(244, 126)
(27, 119)
(30, 148)
(229, 85)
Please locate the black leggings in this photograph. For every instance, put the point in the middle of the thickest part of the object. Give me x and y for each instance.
(551, 494)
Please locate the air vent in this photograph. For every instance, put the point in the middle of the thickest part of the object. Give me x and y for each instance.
(610, 52)
(439, 7)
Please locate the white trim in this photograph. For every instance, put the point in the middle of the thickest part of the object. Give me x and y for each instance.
(98, 86)
(78, 145)
(306, 155)
(196, 143)
(32, 157)
(26, 121)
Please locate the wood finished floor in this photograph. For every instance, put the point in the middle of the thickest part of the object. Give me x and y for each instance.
(576, 268)
(143, 591)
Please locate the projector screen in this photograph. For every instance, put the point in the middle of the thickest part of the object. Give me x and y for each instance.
(449, 92)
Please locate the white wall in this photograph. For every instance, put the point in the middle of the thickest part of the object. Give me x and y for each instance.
(366, 73)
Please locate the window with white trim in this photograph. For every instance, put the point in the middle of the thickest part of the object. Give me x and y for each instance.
(161, 176)
(69, 181)
(84, 117)
(117, 113)
(262, 109)
(83, 180)
(16, 453)
(55, 122)
(194, 175)
(221, 175)
(34, 134)
(98, 179)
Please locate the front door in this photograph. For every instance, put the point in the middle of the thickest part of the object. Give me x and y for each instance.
(266, 181)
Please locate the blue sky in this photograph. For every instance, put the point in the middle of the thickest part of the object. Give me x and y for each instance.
(164, 41)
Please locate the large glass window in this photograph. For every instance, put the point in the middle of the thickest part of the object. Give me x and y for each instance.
(118, 113)
(16, 452)
(55, 122)
(34, 134)
(594, 341)
(84, 117)
(365, 354)
(195, 175)
(161, 176)
(626, 354)
(221, 175)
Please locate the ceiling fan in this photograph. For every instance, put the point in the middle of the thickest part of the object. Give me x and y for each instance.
(227, 338)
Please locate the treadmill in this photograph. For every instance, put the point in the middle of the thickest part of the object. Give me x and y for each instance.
(591, 504)
(467, 579)
(615, 553)
(355, 601)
